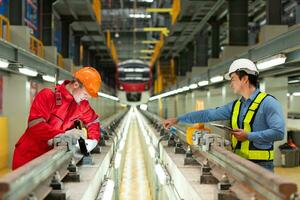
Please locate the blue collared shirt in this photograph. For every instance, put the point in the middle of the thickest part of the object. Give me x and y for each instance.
(268, 125)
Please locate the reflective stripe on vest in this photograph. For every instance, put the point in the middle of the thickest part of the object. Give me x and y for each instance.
(243, 148)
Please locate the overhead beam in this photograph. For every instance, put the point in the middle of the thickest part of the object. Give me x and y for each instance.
(163, 30)
(203, 22)
(150, 41)
(89, 32)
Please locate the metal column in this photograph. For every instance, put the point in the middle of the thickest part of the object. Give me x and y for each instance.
(85, 59)
(182, 63)
(76, 59)
(238, 22)
(274, 12)
(190, 56)
(65, 36)
(46, 17)
(215, 38)
(201, 48)
(16, 12)
(91, 61)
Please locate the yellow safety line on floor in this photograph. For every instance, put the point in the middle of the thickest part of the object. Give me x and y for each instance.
(134, 185)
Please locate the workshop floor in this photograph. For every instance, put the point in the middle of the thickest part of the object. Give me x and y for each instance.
(292, 173)
(134, 185)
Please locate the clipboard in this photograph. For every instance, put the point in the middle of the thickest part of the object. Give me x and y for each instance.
(226, 128)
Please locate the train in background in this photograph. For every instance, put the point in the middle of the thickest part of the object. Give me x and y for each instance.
(133, 82)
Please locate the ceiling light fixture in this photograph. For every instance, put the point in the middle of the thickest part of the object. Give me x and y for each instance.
(216, 79)
(28, 72)
(203, 83)
(3, 63)
(48, 78)
(271, 62)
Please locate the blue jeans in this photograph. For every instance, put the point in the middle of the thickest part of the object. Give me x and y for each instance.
(266, 164)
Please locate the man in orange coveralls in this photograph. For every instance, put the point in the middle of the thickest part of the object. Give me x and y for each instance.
(53, 113)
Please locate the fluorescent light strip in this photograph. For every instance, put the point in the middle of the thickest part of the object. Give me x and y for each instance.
(48, 78)
(271, 62)
(121, 69)
(60, 82)
(203, 83)
(216, 79)
(294, 81)
(183, 89)
(3, 63)
(147, 16)
(163, 95)
(108, 96)
(134, 78)
(28, 72)
(143, 106)
(179, 90)
(296, 94)
(186, 88)
(193, 86)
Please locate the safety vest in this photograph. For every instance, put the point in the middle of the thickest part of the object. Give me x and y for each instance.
(246, 149)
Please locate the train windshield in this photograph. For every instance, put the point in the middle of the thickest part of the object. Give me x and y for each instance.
(134, 73)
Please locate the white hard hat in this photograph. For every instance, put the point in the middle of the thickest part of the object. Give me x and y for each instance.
(244, 65)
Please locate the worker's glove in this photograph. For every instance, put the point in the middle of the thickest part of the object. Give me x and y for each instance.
(69, 138)
(75, 133)
(90, 145)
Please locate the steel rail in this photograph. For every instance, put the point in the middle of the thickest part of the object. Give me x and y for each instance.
(17, 184)
(36, 175)
(244, 175)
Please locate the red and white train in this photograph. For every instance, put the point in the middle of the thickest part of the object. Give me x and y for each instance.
(133, 82)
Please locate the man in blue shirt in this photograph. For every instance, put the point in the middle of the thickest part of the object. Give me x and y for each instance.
(256, 117)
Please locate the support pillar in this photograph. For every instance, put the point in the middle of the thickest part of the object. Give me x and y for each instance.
(65, 36)
(201, 49)
(85, 59)
(238, 22)
(46, 17)
(77, 41)
(215, 38)
(274, 12)
(16, 12)
(91, 58)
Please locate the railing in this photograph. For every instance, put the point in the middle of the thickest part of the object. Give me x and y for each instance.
(247, 180)
(60, 60)
(36, 46)
(4, 28)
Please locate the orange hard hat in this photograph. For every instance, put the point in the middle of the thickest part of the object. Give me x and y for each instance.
(90, 78)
